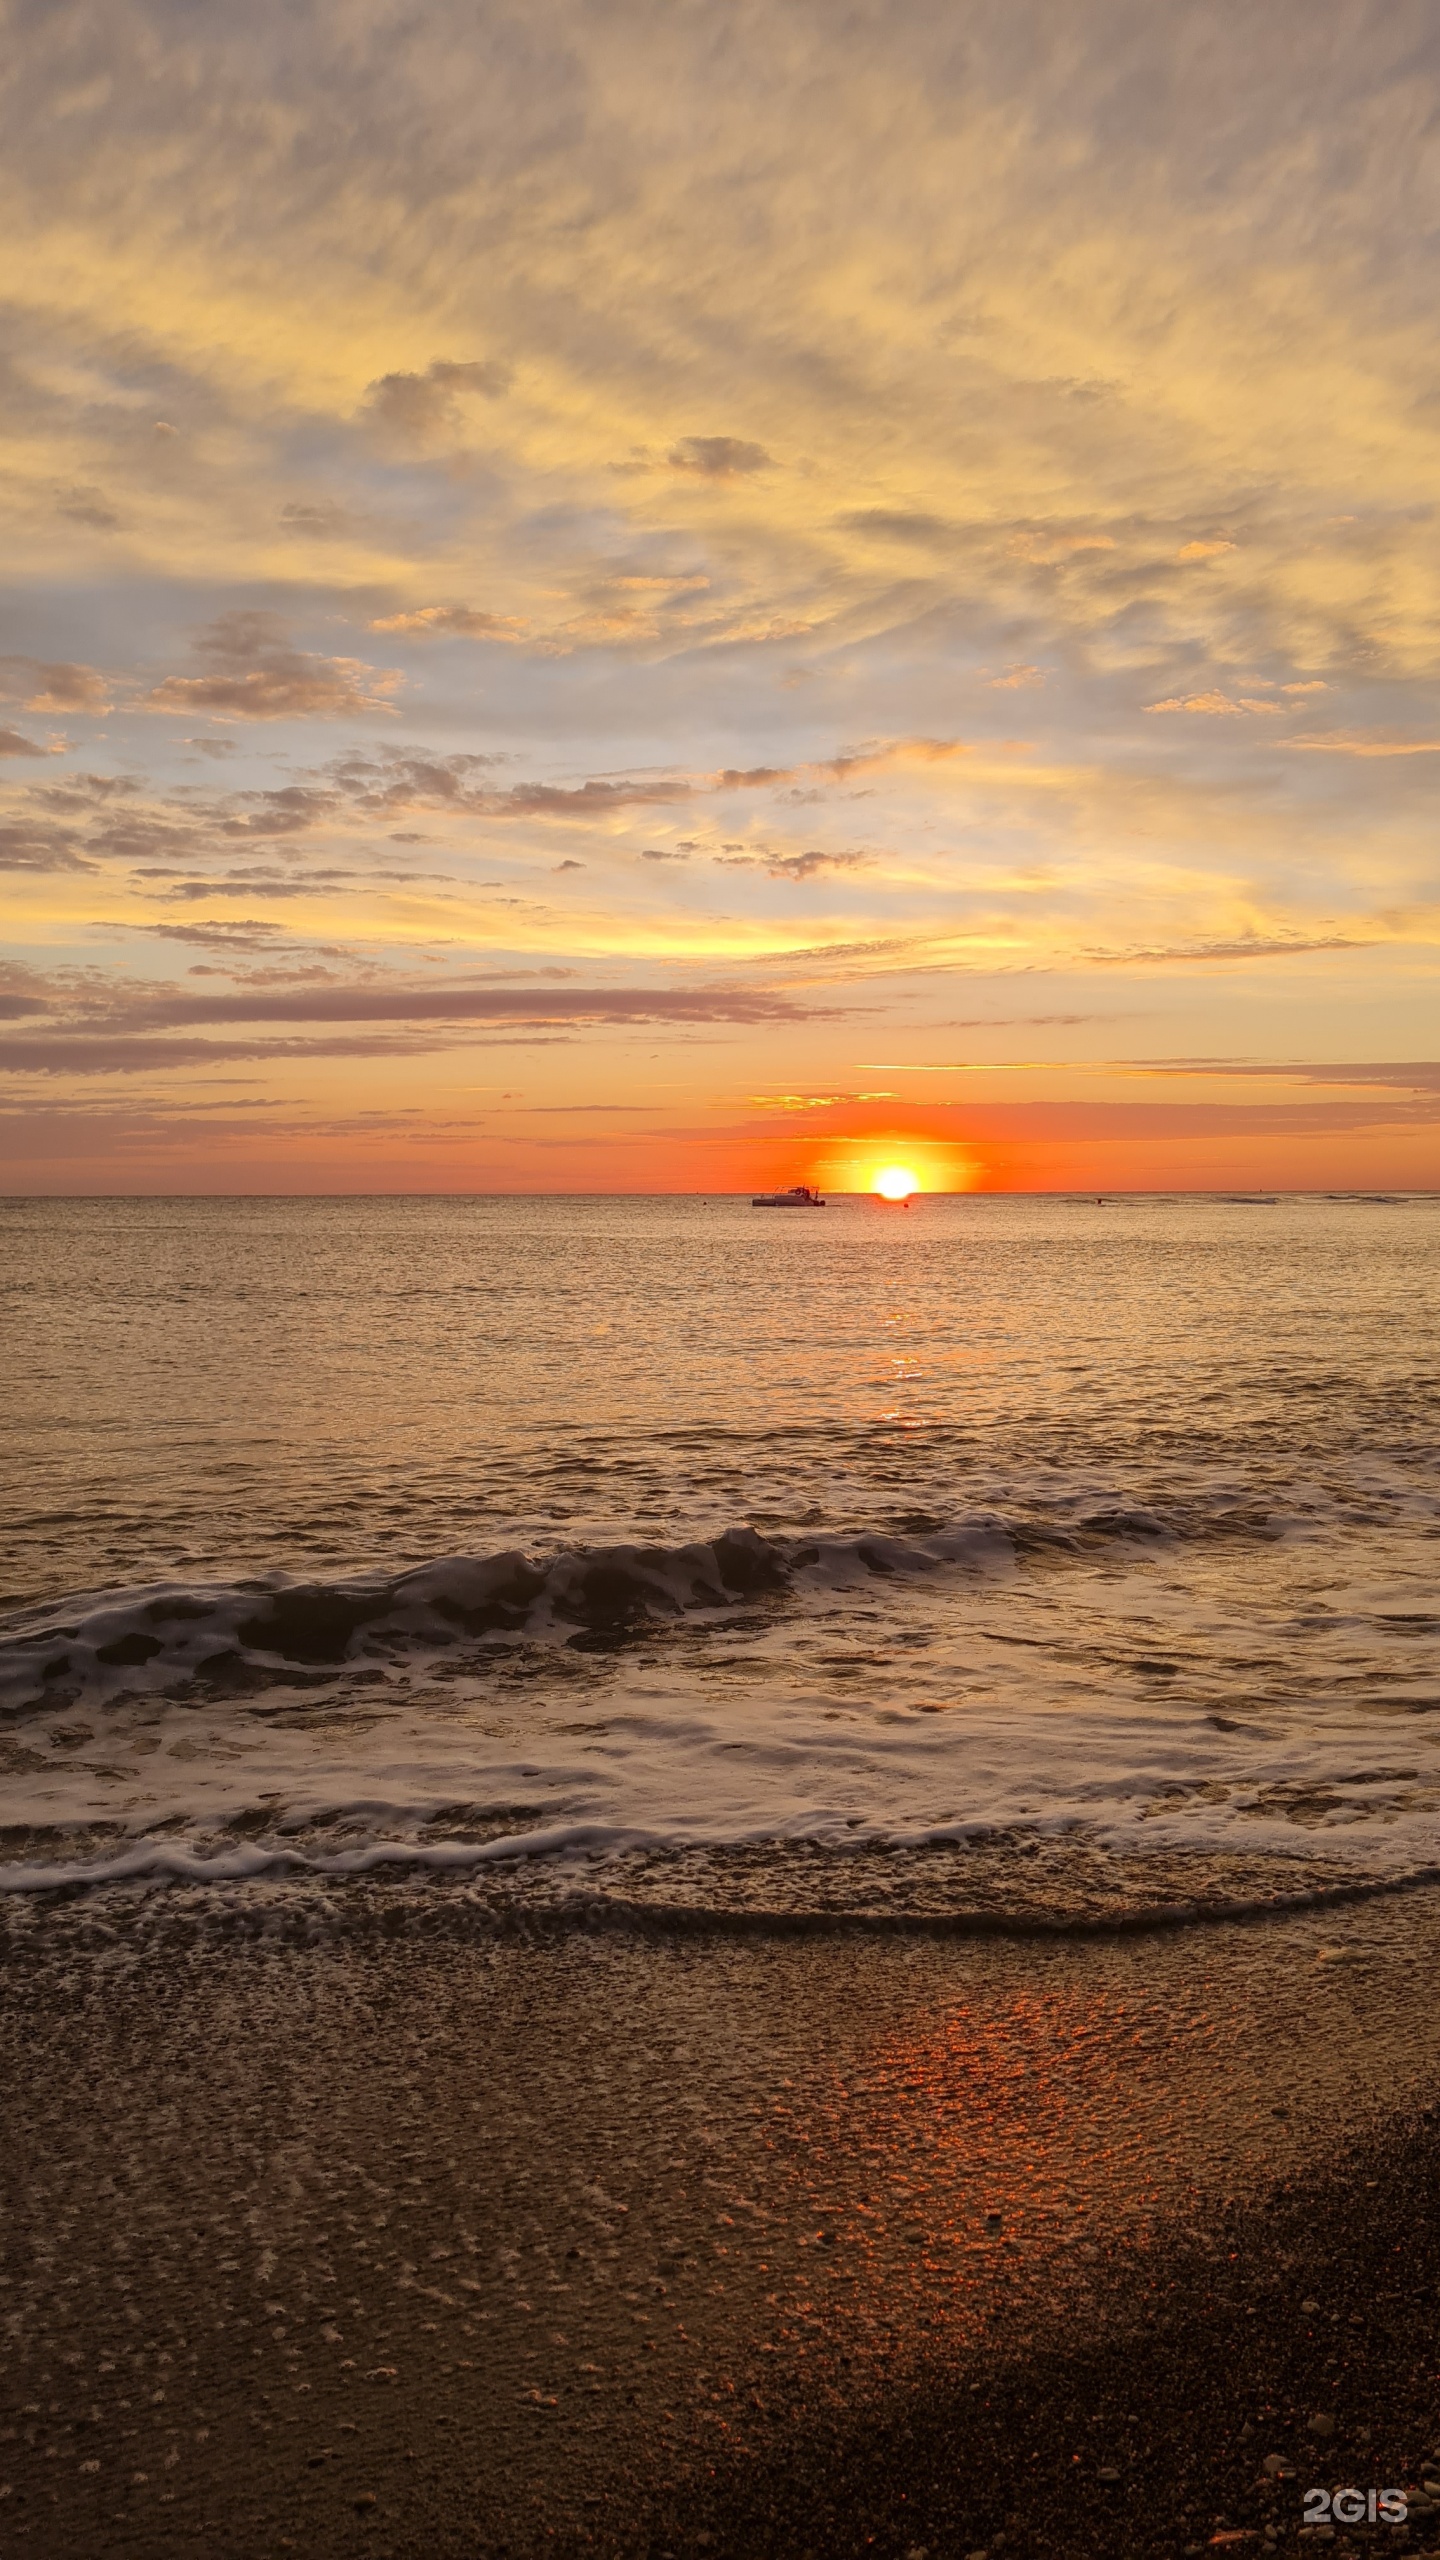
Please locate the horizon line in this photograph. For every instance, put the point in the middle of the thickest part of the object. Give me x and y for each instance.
(1085, 1191)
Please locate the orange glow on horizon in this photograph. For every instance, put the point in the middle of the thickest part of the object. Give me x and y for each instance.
(895, 1182)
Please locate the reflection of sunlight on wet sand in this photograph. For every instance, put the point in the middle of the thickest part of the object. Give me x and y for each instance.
(644, 2203)
(969, 2168)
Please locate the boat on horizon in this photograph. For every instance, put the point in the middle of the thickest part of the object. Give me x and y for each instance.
(799, 1196)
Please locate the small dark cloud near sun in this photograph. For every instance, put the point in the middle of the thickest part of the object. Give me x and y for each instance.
(88, 507)
(567, 866)
(420, 406)
(322, 520)
(718, 457)
(813, 865)
(13, 744)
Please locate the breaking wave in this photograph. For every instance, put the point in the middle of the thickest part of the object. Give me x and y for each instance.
(203, 1640)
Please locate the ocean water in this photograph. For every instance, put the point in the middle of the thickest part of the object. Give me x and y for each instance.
(1032, 1559)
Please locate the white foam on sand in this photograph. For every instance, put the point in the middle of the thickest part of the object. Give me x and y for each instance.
(664, 1770)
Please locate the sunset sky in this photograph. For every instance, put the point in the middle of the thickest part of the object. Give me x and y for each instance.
(615, 596)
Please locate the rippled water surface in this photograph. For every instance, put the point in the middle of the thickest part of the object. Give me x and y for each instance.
(1113, 1524)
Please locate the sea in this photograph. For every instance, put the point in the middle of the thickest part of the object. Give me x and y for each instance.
(987, 1562)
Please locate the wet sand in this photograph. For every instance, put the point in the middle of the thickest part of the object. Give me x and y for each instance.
(408, 2242)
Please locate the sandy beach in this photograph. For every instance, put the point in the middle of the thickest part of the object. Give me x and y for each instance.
(414, 2242)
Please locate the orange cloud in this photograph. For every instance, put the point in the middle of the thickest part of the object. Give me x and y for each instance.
(461, 621)
(1216, 704)
(49, 684)
(1047, 549)
(1368, 746)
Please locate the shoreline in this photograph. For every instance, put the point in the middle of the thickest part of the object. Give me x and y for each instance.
(999, 1885)
(598, 2243)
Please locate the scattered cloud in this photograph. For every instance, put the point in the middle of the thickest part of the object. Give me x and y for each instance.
(812, 1101)
(1420, 1075)
(28, 846)
(13, 744)
(135, 1030)
(53, 684)
(1245, 946)
(252, 673)
(891, 752)
(288, 811)
(1215, 703)
(718, 457)
(1047, 546)
(1368, 746)
(1204, 550)
(67, 1053)
(815, 865)
(84, 793)
(584, 800)
(229, 933)
(421, 407)
(321, 520)
(460, 621)
(88, 507)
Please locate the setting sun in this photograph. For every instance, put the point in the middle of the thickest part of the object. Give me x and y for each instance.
(895, 1182)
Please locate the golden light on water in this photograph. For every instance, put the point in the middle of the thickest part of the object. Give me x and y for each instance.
(895, 1182)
